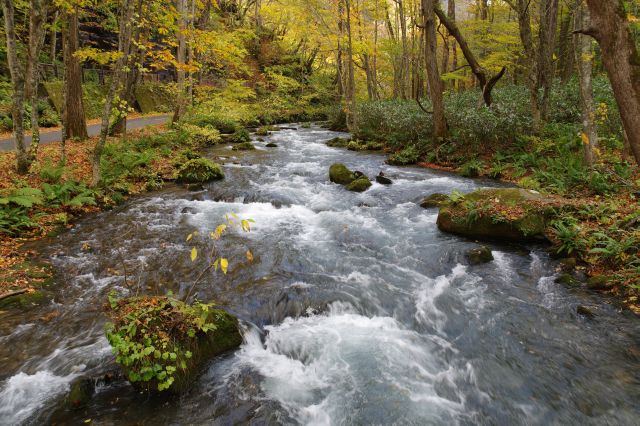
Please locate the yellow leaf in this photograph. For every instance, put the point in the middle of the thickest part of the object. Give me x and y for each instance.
(249, 256)
(585, 138)
(246, 227)
(215, 264)
(194, 254)
(224, 264)
(189, 237)
(218, 232)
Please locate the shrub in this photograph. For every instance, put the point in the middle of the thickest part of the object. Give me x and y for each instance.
(221, 123)
(244, 146)
(409, 155)
(239, 136)
(199, 170)
(471, 168)
(201, 135)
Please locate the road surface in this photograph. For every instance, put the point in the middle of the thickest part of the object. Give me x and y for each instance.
(9, 144)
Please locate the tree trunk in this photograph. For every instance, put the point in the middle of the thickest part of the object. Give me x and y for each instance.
(124, 45)
(451, 14)
(546, 49)
(181, 60)
(404, 60)
(53, 44)
(37, 19)
(73, 117)
(584, 58)
(433, 76)
(351, 84)
(566, 48)
(486, 84)
(610, 27)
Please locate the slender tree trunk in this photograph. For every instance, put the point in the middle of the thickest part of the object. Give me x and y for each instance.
(53, 43)
(451, 14)
(351, 84)
(566, 49)
(546, 49)
(124, 45)
(181, 60)
(433, 76)
(610, 27)
(584, 58)
(73, 117)
(17, 80)
(404, 61)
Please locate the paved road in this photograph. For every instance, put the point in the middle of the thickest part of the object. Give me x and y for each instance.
(9, 144)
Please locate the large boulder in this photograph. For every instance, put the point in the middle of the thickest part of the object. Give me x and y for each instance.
(504, 214)
(339, 173)
(199, 170)
(162, 343)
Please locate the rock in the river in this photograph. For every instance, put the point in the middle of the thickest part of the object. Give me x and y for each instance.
(383, 180)
(82, 390)
(567, 279)
(361, 184)
(271, 145)
(199, 170)
(434, 200)
(339, 173)
(598, 282)
(479, 255)
(244, 146)
(584, 311)
(338, 142)
(162, 343)
(507, 214)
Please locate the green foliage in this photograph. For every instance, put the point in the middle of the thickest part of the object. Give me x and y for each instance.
(567, 232)
(223, 124)
(201, 136)
(199, 170)
(51, 173)
(154, 338)
(239, 136)
(14, 210)
(24, 197)
(409, 155)
(244, 146)
(472, 168)
(68, 194)
(117, 163)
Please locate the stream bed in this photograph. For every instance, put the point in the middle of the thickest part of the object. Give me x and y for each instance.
(356, 310)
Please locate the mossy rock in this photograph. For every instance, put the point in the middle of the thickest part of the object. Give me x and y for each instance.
(339, 173)
(338, 142)
(82, 390)
(244, 146)
(23, 300)
(567, 279)
(199, 170)
(599, 282)
(434, 200)
(479, 255)
(239, 136)
(361, 184)
(358, 145)
(155, 338)
(480, 215)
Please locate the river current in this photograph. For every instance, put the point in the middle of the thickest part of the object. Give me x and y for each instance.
(356, 310)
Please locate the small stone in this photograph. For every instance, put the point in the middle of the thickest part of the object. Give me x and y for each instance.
(383, 180)
(584, 311)
(82, 390)
(479, 255)
(271, 145)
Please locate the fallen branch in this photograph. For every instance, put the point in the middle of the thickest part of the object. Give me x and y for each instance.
(13, 293)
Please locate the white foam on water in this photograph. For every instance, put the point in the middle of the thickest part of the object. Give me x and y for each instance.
(23, 394)
(319, 368)
(428, 293)
(503, 265)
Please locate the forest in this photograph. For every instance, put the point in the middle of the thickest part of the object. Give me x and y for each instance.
(319, 212)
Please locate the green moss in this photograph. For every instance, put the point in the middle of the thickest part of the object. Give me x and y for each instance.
(154, 97)
(199, 170)
(93, 97)
(359, 185)
(434, 200)
(479, 255)
(338, 142)
(339, 173)
(239, 136)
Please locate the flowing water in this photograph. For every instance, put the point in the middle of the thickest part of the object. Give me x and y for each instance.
(357, 310)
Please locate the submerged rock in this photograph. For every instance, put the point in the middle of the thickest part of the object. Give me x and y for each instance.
(339, 173)
(434, 200)
(82, 390)
(162, 343)
(361, 184)
(271, 145)
(507, 214)
(479, 255)
(584, 311)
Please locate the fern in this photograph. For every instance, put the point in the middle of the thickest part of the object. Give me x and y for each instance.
(24, 197)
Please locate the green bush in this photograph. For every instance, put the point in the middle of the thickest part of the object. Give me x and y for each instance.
(201, 135)
(240, 136)
(471, 168)
(409, 155)
(199, 170)
(223, 124)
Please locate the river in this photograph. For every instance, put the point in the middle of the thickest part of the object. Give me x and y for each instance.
(357, 309)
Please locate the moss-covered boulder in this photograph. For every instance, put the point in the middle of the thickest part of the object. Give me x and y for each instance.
(162, 343)
(505, 214)
(434, 200)
(239, 136)
(339, 173)
(361, 184)
(479, 255)
(199, 170)
(80, 393)
(338, 142)
(244, 146)
(359, 145)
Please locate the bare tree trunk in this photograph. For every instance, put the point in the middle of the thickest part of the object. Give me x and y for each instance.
(404, 61)
(351, 84)
(451, 14)
(73, 117)
(124, 44)
(53, 43)
(546, 49)
(181, 60)
(486, 84)
(566, 48)
(610, 27)
(17, 80)
(584, 57)
(37, 19)
(433, 76)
